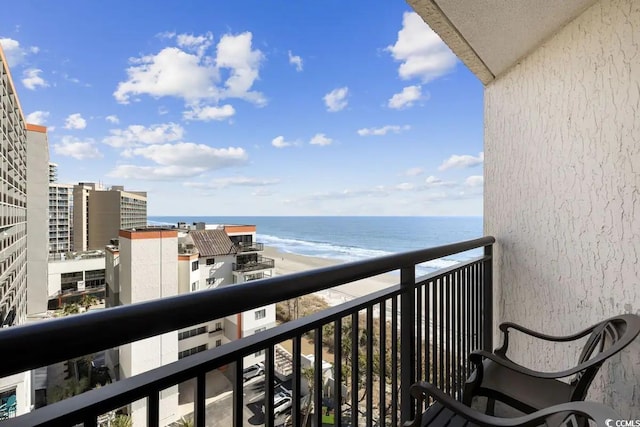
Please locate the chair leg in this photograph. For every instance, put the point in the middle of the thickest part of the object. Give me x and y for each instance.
(491, 406)
(467, 394)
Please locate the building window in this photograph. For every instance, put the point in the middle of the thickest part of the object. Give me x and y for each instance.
(191, 351)
(211, 261)
(194, 265)
(261, 314)
(218, 343)
(8, 404)
(192, 333)
(194, 286)
(218, 327)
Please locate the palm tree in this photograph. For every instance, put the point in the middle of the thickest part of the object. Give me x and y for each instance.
(68, 309)
(121, 421)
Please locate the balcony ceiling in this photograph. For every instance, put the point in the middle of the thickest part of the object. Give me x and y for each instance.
(491, 36)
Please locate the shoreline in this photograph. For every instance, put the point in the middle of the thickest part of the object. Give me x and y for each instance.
(288, 263)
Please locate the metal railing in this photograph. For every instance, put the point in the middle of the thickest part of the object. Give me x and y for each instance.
(260, 263)
(425, 329)
(250, 246)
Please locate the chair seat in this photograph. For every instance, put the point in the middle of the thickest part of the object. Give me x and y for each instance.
(521, 391)
(437, 415)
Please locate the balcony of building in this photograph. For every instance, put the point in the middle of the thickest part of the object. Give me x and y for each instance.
(249, 247)
(252, 264)
(421, 328)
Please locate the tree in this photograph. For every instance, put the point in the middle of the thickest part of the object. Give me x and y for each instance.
(68, 309)
(308, 374)
(87, 301)
(121, 421)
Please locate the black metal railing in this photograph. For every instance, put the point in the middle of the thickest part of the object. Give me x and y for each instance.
(250, 246)
(259, 263)
(425, 327)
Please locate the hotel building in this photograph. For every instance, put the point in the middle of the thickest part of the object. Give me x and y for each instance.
(60, 214)
(99, 213)
(23, 152)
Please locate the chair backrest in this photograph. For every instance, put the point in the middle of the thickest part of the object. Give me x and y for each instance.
(607, 338)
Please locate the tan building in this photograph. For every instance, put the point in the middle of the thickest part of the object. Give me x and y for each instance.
(99, 214)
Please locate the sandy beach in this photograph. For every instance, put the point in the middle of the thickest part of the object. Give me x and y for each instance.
(287, 263)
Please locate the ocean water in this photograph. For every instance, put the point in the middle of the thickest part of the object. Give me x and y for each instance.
(354, 238)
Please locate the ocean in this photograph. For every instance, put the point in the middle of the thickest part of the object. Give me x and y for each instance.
(354, 238)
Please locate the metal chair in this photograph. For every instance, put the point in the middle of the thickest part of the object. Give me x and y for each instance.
(498, 378)
(446, 411)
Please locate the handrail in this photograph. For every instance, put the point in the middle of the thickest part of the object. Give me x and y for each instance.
(112, 327)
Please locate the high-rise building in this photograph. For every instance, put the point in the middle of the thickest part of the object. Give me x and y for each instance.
(19, 295)
(38, 174)
(60, 213)
(99, 214)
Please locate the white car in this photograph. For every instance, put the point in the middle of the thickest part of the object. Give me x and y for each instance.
(281, 403)
(252, 371)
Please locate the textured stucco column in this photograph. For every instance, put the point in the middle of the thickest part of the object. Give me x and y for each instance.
(562, 190)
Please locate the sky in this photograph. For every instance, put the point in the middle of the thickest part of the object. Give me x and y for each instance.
(252, 108)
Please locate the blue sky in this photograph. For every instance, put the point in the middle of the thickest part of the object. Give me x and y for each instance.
(254, 107)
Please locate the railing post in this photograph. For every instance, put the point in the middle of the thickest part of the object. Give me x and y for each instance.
(487, 290)
(407, 341)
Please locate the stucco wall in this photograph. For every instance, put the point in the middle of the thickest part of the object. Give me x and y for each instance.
(562, 189)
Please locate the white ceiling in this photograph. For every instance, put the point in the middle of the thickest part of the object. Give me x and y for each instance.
(503, 31)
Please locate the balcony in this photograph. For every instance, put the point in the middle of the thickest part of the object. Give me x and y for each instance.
(424, 329)
(258, 263)
(250, 246)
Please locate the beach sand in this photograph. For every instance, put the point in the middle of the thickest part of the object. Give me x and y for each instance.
(287, 263)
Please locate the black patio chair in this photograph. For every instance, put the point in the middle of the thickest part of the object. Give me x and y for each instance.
(498, 378)
(446, 411)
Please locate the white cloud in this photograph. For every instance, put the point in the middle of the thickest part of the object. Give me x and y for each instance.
(31, 79)
(188, 154)
(135, 135)
(422, 53)
(459, 162)
(208, 113)
(405, 186)
(336, 100)
(15, 53)
(78, 149)
(383, 130)
(75, 121)
(154, 173)
(474, 181)
(187, 72)
(38, 117)
(243, 62)
(240, 181)
(279, 142)
(432, 182)
(295, 60)
(320, 139)
(406, 98)
(112, 119)
(414, 171)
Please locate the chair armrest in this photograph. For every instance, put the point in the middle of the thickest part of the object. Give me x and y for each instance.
(477, 357)
(504, 328)
(594, 411)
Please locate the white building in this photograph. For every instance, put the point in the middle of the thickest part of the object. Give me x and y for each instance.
(60, 214)
(74, 274)
(150, 263)
(20, 295)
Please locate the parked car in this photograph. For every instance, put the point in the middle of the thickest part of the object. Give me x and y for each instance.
(281, 403)
(253, 371)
